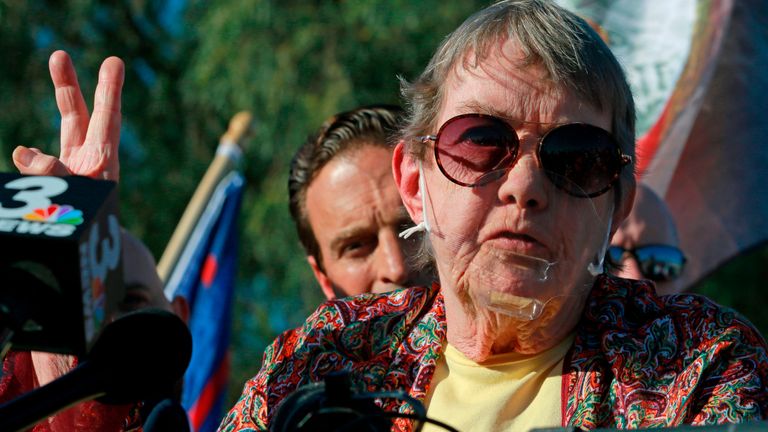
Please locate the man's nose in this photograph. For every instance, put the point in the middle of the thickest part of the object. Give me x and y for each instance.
(630, 268)
(391, 262)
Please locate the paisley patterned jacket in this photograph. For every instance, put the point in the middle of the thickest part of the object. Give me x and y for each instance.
(638, 360)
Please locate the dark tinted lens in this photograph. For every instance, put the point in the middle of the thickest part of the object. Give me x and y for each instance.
(581, 159)
(660, 262)
(469, 149)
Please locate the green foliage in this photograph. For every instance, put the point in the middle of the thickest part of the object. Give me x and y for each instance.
(741, 284)
(291, 63)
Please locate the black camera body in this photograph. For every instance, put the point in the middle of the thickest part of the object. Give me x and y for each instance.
(329, 406)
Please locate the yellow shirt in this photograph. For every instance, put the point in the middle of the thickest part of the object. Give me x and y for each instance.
(508, 392)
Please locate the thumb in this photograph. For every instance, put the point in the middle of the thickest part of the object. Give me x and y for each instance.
(32, 161)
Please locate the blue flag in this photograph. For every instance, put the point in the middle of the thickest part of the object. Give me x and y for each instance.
(205, 276)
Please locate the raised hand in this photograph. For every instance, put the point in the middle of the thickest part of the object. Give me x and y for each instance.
(88, 142)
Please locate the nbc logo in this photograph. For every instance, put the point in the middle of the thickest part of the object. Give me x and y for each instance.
(55, 213)
(37, 215)
(54, 221)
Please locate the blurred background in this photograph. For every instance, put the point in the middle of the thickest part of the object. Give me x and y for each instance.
(191, 65)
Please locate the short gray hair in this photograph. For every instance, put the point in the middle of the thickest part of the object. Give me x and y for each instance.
(571, 52)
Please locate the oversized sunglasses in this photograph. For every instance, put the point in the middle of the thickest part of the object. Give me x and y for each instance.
(657, 262)
(475, 149)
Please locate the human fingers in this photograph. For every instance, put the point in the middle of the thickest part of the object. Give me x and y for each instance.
(69, 99)
(50, 366)
(103, 135)
(32, 161)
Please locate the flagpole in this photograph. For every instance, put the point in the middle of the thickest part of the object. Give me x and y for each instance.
(228, 154)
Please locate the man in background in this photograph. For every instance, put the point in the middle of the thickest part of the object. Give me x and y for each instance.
(346, 208)
(646, 245)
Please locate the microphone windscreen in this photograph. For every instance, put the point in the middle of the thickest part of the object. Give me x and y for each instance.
(141, 355)
(167, 416)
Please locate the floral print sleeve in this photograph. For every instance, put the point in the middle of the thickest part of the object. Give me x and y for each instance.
(384, 341)
(640, 360)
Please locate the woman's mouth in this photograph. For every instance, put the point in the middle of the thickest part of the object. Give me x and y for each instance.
(519, 243)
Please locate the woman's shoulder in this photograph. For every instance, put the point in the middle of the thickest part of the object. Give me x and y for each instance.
(367, 309)
(360, 333)
(633, 307)
(710, 320)
(364, 324)
(667, 348)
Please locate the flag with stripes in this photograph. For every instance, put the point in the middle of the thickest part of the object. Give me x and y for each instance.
(205, 276)
(698, 73)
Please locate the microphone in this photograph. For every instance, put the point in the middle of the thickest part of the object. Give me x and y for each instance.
(168, 415)
(138, 356)
(329, 406)
(332, 406)
(62, 235)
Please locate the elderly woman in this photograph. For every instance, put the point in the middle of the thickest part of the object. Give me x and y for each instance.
(517, 165)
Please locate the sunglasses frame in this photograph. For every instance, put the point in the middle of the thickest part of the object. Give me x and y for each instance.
(624, 159)
(633, 253)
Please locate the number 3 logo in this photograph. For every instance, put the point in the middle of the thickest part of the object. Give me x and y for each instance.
(35, 193)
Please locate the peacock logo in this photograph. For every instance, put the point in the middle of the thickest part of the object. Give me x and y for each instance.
(54, 213)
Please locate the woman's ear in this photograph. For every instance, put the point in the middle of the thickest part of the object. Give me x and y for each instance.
(406, 172)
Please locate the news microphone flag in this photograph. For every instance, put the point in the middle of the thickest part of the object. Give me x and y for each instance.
(205, 276)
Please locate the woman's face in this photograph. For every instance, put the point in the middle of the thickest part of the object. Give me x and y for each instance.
(519, 237)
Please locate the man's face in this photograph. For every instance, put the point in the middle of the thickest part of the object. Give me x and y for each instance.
(143, 287)
(649, 223)
(356, 213)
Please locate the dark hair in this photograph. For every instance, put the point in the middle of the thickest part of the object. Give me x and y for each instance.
(373, 125)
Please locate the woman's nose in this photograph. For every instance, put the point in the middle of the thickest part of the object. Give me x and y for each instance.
(525, 184)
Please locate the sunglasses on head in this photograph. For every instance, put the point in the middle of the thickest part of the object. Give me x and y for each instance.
(475, 149)
(657, 262)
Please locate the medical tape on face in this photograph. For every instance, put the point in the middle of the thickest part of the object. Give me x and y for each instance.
(534, 274)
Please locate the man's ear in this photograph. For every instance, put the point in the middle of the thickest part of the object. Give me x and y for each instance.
(624, 207)
(406, 172)
(322, 279)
